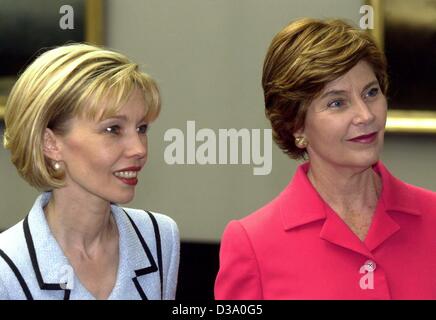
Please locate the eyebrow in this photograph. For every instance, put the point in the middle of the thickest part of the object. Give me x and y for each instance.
(123, 118)
(337, 92)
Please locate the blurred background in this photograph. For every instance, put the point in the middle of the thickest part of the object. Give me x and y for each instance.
(207, 57)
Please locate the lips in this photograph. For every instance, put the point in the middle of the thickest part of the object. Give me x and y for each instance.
(366, 138)
(128, 175)
(130, 169)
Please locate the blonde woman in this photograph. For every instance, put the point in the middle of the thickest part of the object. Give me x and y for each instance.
(76, 126)
(344, 227)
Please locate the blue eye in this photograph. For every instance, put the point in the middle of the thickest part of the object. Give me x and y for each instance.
(335, 104)
(373, 92)
(113, 129)
(142, 129)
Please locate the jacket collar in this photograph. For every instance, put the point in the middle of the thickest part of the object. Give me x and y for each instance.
(50, 264)
(301, 204)
(48, 261)
(136, 258)
(397, 195)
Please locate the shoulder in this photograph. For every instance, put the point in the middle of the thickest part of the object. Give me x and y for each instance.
(402, 196)
(414, 198)
(12, 240)
(260, 221)
(422, 194)
(14, 259)
(245, 236)
(423, 201)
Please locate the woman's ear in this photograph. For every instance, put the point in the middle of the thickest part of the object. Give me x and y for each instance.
(51, 146)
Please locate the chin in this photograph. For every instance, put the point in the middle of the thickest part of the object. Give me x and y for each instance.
(125, 200)
(366, 161)
(122, 199)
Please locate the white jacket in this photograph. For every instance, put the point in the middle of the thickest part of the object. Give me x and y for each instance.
(33, 266)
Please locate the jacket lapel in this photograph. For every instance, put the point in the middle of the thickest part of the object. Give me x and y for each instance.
(137, 254)
(51, 267)
(336, 231)
(397, 197)
(299, 203)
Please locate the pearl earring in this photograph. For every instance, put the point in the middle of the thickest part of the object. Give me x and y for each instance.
(56, 165)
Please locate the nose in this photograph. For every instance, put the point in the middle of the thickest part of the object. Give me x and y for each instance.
(363, 114)
(136, 146)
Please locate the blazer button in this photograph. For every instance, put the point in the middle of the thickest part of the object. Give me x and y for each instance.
(370, 266)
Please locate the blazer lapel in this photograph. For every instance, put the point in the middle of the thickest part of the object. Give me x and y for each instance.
(139, 255)
(299, 203)
(51, 267)
(337, 232)
(396, 197)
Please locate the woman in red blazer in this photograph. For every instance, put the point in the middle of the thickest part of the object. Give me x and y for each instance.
(344, 228)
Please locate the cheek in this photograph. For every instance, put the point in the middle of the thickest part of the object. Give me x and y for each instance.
(324, 132)
(75, 149)
(89, 156)
(383, 114)
(381, 109)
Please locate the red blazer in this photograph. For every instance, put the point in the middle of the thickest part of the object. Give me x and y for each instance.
(297, 247)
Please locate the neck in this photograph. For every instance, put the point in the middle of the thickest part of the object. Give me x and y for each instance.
(79, 222)
(346, 189)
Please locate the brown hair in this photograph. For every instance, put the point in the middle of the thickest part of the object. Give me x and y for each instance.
(301, 60)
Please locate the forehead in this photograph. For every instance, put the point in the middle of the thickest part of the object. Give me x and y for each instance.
(130, 105)
(360, 75)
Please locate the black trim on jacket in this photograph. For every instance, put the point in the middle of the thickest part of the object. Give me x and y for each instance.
(153, 267)
(35, 265)
(17, 274)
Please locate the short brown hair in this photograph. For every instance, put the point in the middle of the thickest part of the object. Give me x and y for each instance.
(71, 80)
(301, 60)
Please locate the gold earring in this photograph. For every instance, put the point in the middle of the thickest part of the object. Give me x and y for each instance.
(301, 142)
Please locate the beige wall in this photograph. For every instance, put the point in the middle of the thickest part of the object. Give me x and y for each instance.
(207, 57)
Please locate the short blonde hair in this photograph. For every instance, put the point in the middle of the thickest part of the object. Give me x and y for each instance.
(301, 60)
(68, 81)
